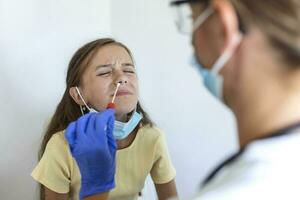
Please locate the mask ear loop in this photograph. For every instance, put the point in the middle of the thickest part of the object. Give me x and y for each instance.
(226, 55)
(202, 17)
(81, 97)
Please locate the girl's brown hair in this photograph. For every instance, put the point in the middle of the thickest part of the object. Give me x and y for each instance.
(67, 109)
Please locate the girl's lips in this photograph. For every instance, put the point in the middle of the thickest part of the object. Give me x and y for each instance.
(123, 93)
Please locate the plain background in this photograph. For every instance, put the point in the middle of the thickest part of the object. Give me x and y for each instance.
(37, 40)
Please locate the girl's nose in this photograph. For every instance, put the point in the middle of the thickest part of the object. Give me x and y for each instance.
(121, 80)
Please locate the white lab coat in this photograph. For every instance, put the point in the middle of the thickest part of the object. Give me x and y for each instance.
(268, 169)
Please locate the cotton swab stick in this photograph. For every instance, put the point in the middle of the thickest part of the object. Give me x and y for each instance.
(111, 104)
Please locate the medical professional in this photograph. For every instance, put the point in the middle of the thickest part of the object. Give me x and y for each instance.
(248, 55)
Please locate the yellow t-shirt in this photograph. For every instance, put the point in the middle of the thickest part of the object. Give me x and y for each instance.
(58, 170)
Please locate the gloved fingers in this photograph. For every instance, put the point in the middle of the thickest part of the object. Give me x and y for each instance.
(90, 129)
(111, 121)
(102, 120)
(70, 134)
(112, 144)
(81, 125)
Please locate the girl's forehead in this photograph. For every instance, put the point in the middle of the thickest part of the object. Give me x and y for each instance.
(112, 52)
(109, 54)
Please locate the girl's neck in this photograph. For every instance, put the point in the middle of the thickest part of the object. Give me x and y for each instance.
(121, 117)
(122, 144)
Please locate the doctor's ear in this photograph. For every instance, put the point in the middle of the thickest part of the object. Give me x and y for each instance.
(228, 19)
(75, 94)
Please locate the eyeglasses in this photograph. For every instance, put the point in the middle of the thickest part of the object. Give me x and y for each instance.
(184, 15)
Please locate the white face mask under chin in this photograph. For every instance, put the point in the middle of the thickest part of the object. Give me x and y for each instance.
(121, 129)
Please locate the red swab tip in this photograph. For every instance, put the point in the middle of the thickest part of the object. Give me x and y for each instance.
(111, 105)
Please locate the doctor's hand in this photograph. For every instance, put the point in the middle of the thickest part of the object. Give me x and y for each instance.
(93, 146)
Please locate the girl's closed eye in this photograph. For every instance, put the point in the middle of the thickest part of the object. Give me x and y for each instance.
(103, 73)
(129, 69)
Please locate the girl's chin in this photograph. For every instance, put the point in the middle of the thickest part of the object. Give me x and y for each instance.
(125, 108)
(123, 111)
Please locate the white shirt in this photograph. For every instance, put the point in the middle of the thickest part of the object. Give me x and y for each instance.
(268, 169)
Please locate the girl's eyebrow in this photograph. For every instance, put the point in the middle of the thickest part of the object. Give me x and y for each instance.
(127, 64)
(111, 65)
(104, 65)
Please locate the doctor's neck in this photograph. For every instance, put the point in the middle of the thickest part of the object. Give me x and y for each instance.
(269, 95)
(273, 108)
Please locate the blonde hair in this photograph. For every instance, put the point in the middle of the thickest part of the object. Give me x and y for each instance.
(279, 20)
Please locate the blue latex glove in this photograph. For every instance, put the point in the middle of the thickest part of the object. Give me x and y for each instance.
(93, 146)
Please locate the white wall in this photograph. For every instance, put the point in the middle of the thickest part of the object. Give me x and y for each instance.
(200, 131)
(37, 39)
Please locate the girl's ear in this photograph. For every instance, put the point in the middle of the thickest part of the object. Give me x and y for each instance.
(75, 96)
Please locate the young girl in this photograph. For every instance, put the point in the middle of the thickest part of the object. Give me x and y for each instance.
(93, 75)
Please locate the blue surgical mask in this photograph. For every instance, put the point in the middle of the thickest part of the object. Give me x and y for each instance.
(213, 81)
(121, 129)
